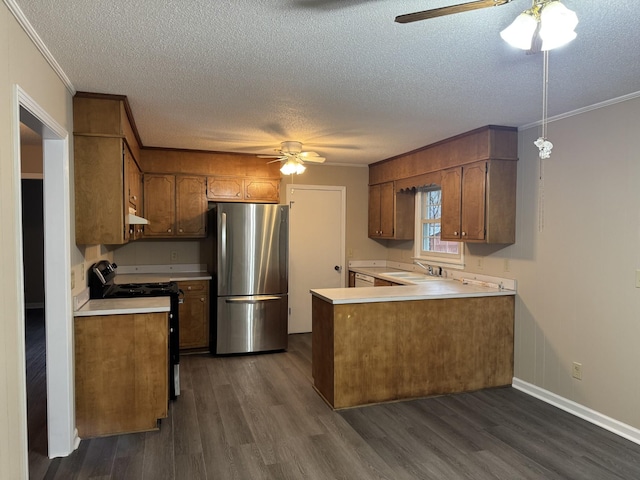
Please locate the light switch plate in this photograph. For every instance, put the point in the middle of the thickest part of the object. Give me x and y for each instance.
(637, 278)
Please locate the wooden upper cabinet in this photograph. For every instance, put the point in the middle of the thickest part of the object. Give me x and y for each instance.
(478, 202)
(175, 205)
(451, 216)
(101, 203)
(191, 206)
(133, 189)
(106, 153)
(262, 190)
(243, 189)
(473, 204)
(160, 205)
(225, 189)
(103, 114)
(134, 179)
(391, 214)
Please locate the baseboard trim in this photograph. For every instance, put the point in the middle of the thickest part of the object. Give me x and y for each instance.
(622, 429)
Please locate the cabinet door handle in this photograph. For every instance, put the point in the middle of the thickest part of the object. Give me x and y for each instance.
(168, 230)
(455, 234)
(238, 194)
(180, 230)
(464, 234)
(202, 299)
(189, 288)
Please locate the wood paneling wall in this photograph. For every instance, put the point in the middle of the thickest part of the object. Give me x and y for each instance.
(165, 160)
(485, 143)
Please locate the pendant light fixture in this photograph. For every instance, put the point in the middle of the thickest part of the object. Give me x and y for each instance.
(548, 24)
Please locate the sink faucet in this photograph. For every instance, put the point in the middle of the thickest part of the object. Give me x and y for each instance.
(429, 268)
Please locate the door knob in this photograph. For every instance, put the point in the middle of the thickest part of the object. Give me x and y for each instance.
(337, 268)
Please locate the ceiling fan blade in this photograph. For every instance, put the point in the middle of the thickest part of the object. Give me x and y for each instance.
(270, 156)
(311, 157)
(439, 12)
(314, 159)
(274, 161)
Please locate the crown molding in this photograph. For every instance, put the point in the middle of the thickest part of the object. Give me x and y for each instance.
(37, 41)
(582, 110)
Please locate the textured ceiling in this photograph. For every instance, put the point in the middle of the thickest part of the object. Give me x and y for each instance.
(340, 76)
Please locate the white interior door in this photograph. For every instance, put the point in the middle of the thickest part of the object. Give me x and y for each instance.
(317, 221)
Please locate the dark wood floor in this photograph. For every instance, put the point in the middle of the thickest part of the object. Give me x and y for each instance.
(257, 417)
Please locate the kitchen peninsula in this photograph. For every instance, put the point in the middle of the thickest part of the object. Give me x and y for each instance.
(378, 344)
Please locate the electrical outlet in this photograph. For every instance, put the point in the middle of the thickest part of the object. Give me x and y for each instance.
(576, 370)
(507, 265)
(479, 262)
(174, 256)
(82, 272)
(350, 254)
(73, 279)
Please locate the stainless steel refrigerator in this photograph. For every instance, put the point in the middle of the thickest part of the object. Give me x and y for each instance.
(250, 309)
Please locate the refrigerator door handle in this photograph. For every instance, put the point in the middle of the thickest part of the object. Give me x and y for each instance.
(252, 299)
(223, 244)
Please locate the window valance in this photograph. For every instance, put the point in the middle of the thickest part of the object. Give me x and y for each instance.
(419, 181)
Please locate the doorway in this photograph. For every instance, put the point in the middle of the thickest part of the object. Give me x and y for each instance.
(33, 274)
(317, 223)
(62, 438)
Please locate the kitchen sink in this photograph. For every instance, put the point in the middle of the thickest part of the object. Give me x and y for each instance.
(411, 277)
(401, 274)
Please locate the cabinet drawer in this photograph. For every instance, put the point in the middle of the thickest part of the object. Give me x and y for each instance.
(195, 286)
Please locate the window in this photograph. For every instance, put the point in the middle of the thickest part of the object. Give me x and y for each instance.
(428, 245)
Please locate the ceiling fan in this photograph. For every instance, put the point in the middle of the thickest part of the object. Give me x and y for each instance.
(293, 157)
(439, 12)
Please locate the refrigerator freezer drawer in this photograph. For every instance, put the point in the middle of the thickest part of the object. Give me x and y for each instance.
(246, 324)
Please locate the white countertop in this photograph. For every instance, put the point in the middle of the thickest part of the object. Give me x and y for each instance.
(432, 290)
(123, 306)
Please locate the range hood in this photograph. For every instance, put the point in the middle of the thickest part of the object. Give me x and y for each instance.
(135, 219)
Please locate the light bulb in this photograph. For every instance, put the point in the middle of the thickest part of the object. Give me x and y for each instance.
(557, 23)
(520, 33)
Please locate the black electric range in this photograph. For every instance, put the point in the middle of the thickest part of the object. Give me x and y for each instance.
(102, 285)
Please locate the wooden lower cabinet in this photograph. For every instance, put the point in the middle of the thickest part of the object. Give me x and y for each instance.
(377, 352)
(194, 315)
(121, 373)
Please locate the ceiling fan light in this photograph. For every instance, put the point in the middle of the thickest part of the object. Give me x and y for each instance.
(557, 24)
(292, 166)
(520, 33)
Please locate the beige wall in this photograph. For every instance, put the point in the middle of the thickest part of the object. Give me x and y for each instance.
(577, 300)
(22, 64)
(356, 180)
(358, 245)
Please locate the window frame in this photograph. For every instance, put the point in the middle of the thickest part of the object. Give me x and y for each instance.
(433, 258)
